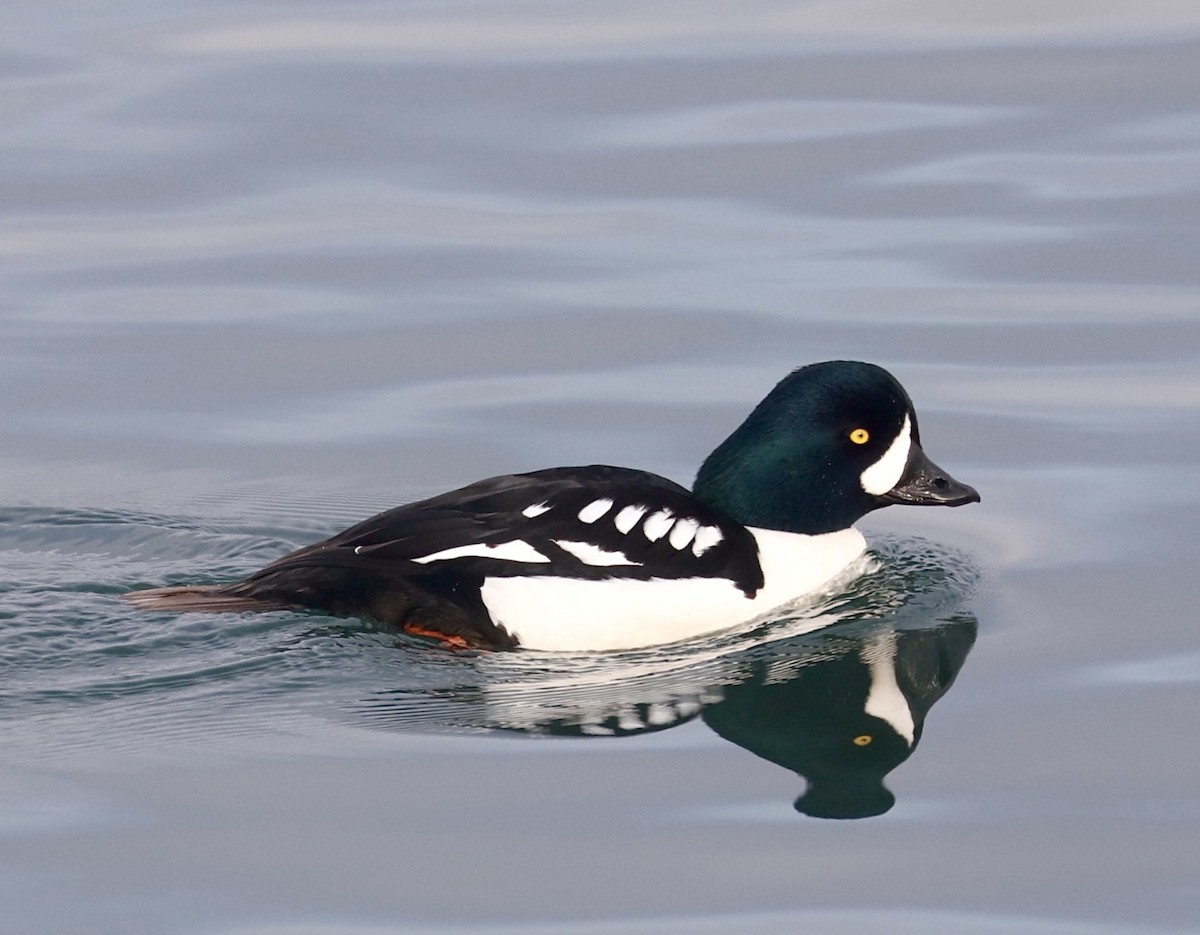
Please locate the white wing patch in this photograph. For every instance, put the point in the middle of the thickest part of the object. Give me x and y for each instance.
(657, 524)
(682, 532)
(592, 554)
(885, 473)
(706, 538)
(594, 510)
(515, 551)
(628, 518)
(536, 509)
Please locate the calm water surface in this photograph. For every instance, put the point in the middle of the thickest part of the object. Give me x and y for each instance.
(268, 268)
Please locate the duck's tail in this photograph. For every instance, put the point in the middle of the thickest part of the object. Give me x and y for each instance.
(211, 598)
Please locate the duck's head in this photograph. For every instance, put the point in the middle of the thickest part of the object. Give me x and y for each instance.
(830, 443)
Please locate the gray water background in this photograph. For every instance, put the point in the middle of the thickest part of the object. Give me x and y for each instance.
(270, 267)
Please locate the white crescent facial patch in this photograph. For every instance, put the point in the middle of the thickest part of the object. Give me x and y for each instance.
(885, 473)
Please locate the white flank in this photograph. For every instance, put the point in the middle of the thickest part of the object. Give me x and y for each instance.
(592, 554)
(628, 518)
(536, 509)
(559, 613)
(594, 510)
(515, 551)
(657, 524)
(706, 538)
(885, 473)
(885, 700)
(682, 533)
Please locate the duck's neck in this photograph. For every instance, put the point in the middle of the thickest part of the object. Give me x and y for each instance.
(756, 484)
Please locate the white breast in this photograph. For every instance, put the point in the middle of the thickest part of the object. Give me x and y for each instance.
(556, 613)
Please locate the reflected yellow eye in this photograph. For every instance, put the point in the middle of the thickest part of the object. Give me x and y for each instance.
(862, 740)
(860, 436)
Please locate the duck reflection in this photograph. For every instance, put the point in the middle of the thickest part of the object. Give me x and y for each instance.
(847, 718)
(841, 707)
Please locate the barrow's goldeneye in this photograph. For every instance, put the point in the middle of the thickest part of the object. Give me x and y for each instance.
(600, 557)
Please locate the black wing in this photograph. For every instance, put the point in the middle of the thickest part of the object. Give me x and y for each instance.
(643, 526)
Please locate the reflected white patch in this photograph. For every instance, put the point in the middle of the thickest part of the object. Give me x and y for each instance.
(885, 700)
(885, 473)
(658, 714)
(594, 510)
(688, 708)
(706, 538)
(591, 554)
(536, 509)
(515, 551)
(628, 518)
(682, 532)
(567, 614)
(657, 524)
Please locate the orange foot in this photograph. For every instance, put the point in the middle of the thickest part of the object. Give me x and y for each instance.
(446, 639)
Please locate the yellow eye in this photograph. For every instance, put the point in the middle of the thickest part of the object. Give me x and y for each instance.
(862, 740)
(860, 436)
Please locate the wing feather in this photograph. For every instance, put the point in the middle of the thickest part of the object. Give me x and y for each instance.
(496, 511)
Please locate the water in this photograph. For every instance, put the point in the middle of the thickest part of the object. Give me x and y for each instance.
(268, 268)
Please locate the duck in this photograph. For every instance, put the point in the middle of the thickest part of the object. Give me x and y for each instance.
(599, 558)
